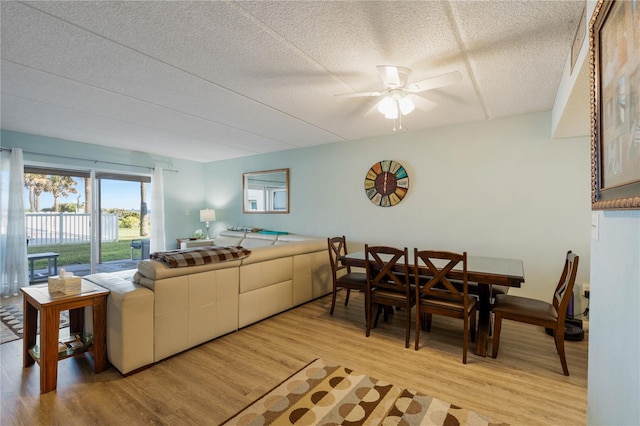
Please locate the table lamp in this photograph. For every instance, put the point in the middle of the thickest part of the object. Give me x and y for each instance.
(207, 215)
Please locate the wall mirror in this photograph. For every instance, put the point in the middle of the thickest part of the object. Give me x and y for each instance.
(266, 191)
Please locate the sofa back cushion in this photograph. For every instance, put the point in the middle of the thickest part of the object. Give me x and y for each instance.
(225, 241)
(253, 240)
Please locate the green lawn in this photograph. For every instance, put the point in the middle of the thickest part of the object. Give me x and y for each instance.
(80, 253)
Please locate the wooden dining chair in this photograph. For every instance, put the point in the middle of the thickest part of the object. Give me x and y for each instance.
(538, 312)
(388, 284)
(436, 294)
(342, 276)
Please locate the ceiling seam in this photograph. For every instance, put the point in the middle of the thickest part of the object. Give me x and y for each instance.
(465, 57)
(182, 70)
(133, 98)
(266, 28)
(132, 123)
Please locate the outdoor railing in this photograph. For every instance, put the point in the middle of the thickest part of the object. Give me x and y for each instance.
(65, 228)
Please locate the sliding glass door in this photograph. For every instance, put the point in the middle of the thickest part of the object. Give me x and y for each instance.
(124, 222)
(57, 220)
(62, 205)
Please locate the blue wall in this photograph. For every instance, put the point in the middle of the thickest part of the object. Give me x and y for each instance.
(183, 189)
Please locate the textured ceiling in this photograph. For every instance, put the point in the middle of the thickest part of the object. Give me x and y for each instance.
(210, 81)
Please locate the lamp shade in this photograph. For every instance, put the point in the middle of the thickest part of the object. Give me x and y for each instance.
(406, 105)
(207, 215)
(392, 111)
(386, 105)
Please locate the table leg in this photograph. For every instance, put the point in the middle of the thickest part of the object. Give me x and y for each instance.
(76, 321)
(49, 329)
(100, 333)
(29, 331)
(484, 317)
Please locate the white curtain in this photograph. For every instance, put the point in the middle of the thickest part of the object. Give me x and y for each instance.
(16, 245)
(157, 242)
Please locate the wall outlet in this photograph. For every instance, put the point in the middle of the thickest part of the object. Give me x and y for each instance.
(585, 290)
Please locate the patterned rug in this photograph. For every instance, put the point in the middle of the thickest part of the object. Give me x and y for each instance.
(11, 318)
(328, 394)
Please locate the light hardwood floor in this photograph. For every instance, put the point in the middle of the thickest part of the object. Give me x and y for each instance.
(210, 383)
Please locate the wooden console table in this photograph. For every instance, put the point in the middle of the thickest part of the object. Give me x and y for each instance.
(185, 243)
(38, 300)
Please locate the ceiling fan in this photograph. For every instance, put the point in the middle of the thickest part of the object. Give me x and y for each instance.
(400, 96)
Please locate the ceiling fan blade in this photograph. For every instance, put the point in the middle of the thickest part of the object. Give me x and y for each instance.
(435, 82)
(389, 75)
(361, 94)
(422, 103)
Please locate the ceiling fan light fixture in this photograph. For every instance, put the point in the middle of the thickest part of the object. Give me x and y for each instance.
(386, 105)
(393, 112)
(406, 105)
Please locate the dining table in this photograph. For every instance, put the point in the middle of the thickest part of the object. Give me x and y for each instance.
(486, 271)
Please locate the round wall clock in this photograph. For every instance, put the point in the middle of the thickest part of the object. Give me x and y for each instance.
(386, 183)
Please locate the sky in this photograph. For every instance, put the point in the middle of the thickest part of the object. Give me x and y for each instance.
(115, 194)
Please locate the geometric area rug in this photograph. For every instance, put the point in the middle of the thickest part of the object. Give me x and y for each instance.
(324, 393)
(11, 318)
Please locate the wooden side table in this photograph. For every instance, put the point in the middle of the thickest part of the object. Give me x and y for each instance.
(38, 300)
(185, 243)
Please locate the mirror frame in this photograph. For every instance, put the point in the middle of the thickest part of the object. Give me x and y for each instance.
(245, 178)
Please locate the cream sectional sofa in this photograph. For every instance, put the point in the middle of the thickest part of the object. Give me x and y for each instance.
(162, 311)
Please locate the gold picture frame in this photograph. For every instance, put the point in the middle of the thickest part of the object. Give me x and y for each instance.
(614, 50)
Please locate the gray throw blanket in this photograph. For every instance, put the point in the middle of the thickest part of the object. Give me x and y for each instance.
(200, 256)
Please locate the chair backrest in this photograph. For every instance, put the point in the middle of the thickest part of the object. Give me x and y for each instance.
(337, 249)
(564, 290)
(387, 267)
(436, 284)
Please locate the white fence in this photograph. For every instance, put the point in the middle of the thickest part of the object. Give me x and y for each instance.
(65, 228)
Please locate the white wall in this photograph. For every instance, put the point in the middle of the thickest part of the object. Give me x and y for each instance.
(495, 188)
(614, 333)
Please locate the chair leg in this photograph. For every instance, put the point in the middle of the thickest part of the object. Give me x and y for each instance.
(418, 324)
(465, 340)
(346, 299)
(387, 311)
(496, 335)
(429, 318)
(559, 338)
(333, 300)
(474, 327)
(408, 327)
(369, 318)
(378, 309)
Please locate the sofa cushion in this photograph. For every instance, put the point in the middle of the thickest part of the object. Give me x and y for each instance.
(130, 320)
(294, 238)
(260, 254)
(156, 270)
(224, 241)
(253, 240)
